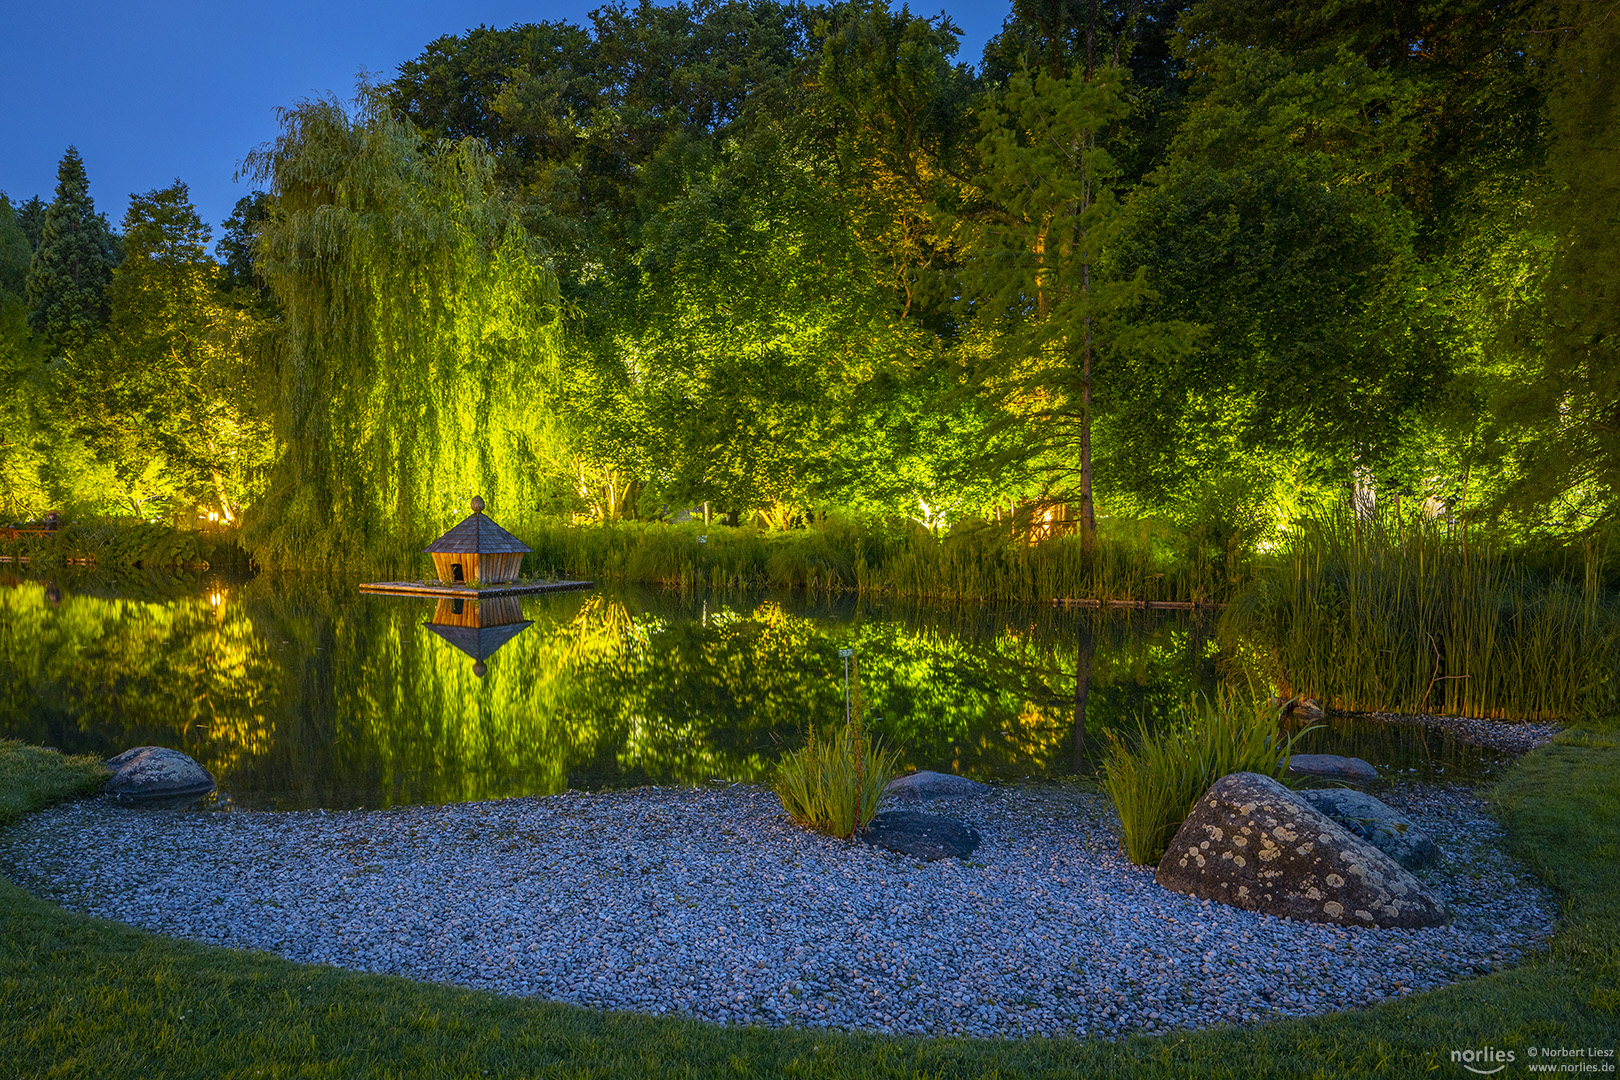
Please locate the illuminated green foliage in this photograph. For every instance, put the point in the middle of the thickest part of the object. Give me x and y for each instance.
(781, 263)
(162, 397)
(419, 338)
(1409, 616)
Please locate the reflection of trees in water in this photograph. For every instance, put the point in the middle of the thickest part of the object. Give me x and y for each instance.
(103, 674)
(1002, 703)
(299, 693)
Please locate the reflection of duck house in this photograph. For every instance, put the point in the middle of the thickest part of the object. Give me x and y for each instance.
(477, 550)
(479, 627)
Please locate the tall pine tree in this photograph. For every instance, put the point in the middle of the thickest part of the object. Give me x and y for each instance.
(68, 276)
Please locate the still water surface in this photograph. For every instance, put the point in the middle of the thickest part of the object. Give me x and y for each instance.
(298, 691)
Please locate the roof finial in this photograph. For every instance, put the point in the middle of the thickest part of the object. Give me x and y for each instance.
(477, 504)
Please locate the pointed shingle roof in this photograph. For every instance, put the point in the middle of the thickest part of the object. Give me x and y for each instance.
(478, 535)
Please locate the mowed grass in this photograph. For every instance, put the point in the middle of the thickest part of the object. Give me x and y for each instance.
(84, 997)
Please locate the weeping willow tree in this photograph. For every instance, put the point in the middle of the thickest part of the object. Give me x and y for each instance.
(420, 339)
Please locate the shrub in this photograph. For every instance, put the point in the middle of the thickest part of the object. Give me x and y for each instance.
(1156, 782)
(836, 785)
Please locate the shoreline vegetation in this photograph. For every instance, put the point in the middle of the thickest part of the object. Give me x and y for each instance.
(1364, 614)
(122, 544)
(91, 997)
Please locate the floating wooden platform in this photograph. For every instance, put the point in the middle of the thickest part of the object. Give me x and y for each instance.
(75, 561)
(1140, 605)
(517, 588)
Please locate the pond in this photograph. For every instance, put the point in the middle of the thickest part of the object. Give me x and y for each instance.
(300, 692)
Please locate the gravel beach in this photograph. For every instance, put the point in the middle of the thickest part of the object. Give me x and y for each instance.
(710, 903)
(1510, 736)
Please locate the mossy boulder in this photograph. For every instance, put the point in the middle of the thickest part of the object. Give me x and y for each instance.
(156, 775)
(1381, 825)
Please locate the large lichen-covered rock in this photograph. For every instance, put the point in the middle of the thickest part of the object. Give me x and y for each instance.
(1253, 844)
(1381, 825)
(156, 775)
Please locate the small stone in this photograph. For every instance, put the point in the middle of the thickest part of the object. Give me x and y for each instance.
(1348, 770)
(1380, 825)
(932, 785)
(156, 775)
(925, 836)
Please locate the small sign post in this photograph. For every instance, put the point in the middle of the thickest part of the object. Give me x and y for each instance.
(846, 654)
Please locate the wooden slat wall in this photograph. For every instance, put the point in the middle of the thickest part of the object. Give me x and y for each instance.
(486, 569)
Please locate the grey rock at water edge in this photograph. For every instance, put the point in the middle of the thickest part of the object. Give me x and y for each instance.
(156, 775)
(932, 785)
(925, 836)
(1381, 825)
(1347, 770)
(1253, 844)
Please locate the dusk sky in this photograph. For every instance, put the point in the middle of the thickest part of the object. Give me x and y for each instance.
(151, 92)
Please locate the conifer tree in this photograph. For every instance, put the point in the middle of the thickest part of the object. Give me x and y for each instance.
(68, 276)
(31, 216)
(15, 251)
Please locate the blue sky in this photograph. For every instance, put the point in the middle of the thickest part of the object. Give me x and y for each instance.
(153, 91)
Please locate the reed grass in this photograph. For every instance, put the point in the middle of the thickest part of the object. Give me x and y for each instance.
(837, 785)
(1156, 781)
(1131, 560)
(1413, 616)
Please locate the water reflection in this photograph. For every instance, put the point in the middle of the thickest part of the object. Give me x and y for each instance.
(479, 627)
(299, 692)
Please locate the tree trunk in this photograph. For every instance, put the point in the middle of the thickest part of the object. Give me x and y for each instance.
(219, 491)
(1088, 512)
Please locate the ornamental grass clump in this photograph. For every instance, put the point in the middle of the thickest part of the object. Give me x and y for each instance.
(835, 785)
(1156, 781)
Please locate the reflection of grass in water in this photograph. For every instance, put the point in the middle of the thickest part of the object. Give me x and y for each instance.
(1412, 749)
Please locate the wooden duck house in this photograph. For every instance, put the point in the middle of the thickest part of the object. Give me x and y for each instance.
(477, 550)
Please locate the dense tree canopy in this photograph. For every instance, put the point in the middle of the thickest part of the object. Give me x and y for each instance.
(1206, 260)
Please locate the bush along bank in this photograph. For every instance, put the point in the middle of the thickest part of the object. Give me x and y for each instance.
(123, 544)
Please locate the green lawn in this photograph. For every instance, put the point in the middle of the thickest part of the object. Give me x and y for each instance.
(83, 997)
